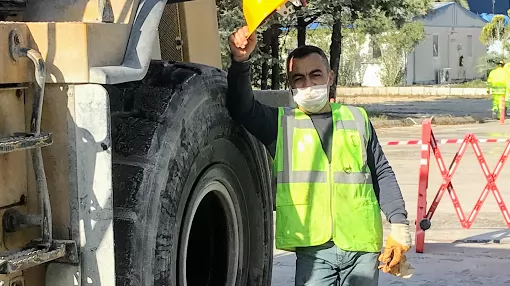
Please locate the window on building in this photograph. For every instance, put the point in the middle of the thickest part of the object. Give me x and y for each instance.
(376, 50)
(469, 45)
(435, 46)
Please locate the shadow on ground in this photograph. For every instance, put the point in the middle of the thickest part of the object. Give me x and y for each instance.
(498, 236)
(426, 108)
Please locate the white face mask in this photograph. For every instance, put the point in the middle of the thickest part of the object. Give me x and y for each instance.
(312, 99)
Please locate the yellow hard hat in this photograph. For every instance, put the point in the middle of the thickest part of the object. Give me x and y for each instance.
(256, 11)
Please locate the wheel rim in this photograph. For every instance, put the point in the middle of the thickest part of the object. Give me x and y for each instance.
(210, 248)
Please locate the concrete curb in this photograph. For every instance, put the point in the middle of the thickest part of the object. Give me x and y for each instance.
(411, 91)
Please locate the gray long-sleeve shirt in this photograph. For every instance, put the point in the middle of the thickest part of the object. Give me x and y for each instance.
(262, 122)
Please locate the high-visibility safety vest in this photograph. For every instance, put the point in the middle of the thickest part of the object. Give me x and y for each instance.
(507, 67)
(497, 81)
(318, 201)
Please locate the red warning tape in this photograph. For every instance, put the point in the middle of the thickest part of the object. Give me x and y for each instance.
(443, 141)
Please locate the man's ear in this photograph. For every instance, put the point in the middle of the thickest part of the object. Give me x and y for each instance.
(331, 77)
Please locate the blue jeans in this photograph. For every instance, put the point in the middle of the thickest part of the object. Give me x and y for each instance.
(327, 265)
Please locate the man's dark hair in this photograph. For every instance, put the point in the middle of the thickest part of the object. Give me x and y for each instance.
(306, 50)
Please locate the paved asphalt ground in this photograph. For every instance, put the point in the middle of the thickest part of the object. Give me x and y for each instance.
(453, 255)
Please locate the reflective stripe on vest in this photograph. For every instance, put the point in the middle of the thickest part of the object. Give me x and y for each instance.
(329, 201)
(497, 81)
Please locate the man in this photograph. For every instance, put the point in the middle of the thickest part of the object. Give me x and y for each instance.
(331, 172)
(506, 66)
(498, 85)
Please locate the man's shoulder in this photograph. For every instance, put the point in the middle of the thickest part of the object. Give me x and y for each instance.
(285, 110)
(346, 105)
(353, 108)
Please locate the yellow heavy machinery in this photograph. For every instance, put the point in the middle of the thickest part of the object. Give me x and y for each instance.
(119, 163)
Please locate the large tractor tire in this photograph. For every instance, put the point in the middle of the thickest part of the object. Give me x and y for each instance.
(192, 190)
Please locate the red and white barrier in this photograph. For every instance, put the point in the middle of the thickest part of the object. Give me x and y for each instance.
(430, 144)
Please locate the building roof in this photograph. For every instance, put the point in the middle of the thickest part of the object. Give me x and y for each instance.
(439, 5)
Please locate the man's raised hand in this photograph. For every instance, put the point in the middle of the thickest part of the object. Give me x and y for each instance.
(242, 45)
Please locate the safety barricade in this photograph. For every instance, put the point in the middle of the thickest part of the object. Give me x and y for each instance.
(430, 145)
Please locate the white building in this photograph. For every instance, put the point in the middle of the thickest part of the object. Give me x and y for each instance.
(451, 44)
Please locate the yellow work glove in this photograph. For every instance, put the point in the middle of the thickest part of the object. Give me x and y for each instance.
(397, 244)
(403, 269)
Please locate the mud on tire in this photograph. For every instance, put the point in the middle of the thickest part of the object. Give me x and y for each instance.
(192, 199)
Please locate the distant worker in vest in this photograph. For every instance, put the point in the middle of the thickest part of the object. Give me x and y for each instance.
(498, 85)
(333, 178)
(506, 67)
